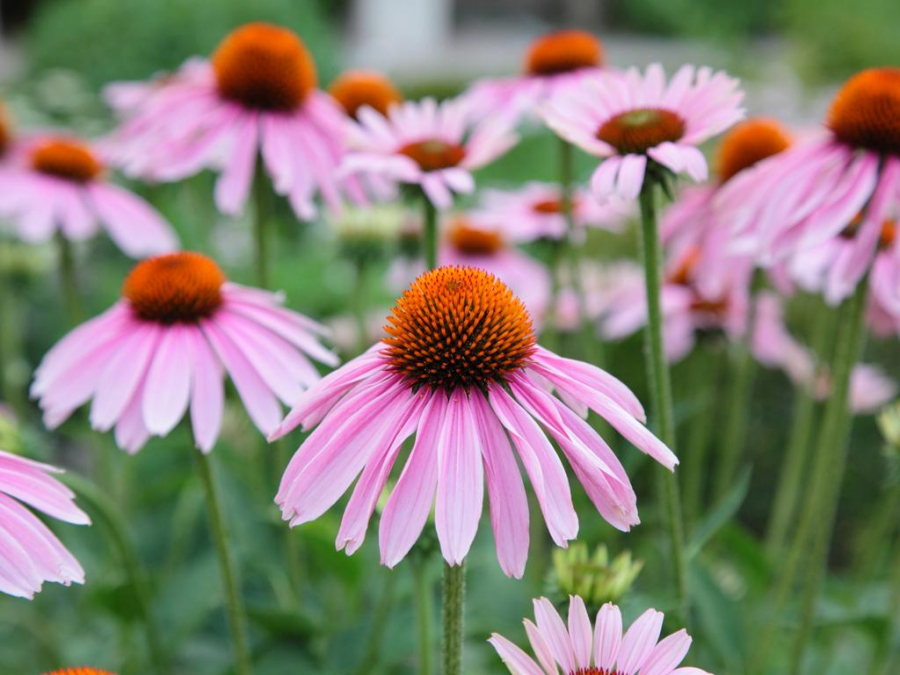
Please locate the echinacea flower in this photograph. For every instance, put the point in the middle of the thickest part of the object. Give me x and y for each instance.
(57, 184)
(843, 184)
(30, 553)
(164, 347)
(553, 61)
(633, 120)
(5, 130)
(603, 649)
(460, 370)
(80, 670)
(357, 88)
(535, 211)
(256, 96)
(426, 143)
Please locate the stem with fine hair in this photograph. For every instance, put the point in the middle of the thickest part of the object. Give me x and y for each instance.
(661, 386)
(262, 201)
(454, 600)
(68, 280)
(236, 616)
(422, 592)
(429, 233)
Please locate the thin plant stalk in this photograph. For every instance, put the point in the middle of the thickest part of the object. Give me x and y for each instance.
(359, 303)
(423, 598)
(68, 280)
(237, 619)
(429, 233)
(740, 385)
(661, 388)
(454, 600)
(262, 230)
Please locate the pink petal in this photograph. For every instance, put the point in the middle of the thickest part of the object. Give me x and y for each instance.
(607, 637)
(168, 386)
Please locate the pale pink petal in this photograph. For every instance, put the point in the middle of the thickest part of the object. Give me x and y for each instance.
(639, 641)
(607, 637)
(168, 385)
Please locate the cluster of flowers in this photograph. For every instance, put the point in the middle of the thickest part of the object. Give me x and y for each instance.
(459, 368)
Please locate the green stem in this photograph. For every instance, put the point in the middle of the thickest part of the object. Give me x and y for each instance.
(454, 600)
(429, 233)
(423, 599)
(661, 388)
(262, 199)
(359, 305)
(832, 454)
(68, 280)
(117, 529)
(740, 385)
(236, 615)
(12, 388)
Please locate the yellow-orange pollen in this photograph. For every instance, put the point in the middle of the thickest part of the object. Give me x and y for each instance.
(264, 66)
(748, 143)
(471, 240)
(636, 131)
(357, 88)
(66, 158)
(80, 670)
(458, 327)
(181, 287)
(433, 155)
(866, 111)
(563, 52)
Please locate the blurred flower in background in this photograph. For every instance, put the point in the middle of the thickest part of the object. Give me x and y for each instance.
(594, 577)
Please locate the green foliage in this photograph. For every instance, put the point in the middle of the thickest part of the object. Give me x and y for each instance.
(107, 40)
(696, 17)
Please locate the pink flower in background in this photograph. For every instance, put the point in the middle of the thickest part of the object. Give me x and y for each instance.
(461, 371)
(30, 553)
(579, 648)
(844, 184)
(166, 346)
(632, 119)
(255, 97)
(434, 145)
(535, 212)
(553, 62)
(600, 284)
(54, 183)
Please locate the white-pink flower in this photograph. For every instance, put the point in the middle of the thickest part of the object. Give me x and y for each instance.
(632, 119)
(578, 648)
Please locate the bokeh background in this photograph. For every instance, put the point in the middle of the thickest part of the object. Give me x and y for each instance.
(354, 616)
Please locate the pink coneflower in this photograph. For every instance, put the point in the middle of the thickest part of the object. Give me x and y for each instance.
(30, 553)
(553, 61)
(165, 346)
(357, 88)
(535, 211)
(844, 183)
(634, 120)
(434, 145)
(603, 649)
(256, 96)
(461, 370)
(56, 183)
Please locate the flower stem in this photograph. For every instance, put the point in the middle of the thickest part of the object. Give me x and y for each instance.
(740, 385)
(422, 592)
(661, 387)
(262, 200)
(454, 601)
(68, 280)
(236, 617)
(832, 457)
(359, 304)
(429, 233)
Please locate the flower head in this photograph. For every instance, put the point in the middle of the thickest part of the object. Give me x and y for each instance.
(434, 145)
(356, 88)
(164, 346)
(57, 183)
(564, 51)
(256, 96)
(80, 670)
(748, 143)
(602, 649)
(632, 119)
(5, 130)
(32, 553)
(594, 577)
(462, 371)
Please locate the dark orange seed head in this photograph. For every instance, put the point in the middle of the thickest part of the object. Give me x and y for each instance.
(357, 88)
(471, 240)
(636, 131)
(563, 52)
(264, 66)
(458, 327)
(433, 155)
(866, 111)
(682, 274)
(888, 234)
(5, 131)
(66, 158)
(181, 287)
(748, 143)
(81, 670)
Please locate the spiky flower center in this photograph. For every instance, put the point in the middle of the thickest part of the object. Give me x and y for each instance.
(80, 670)
(471, 240)
(66, 158)
(264, 66)
(181, 287)
(563, 52)
(636, 131)
(866, 111)
(357, 88)
(458, 327)
(434, 155)
(748, 143)
(594, 671)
